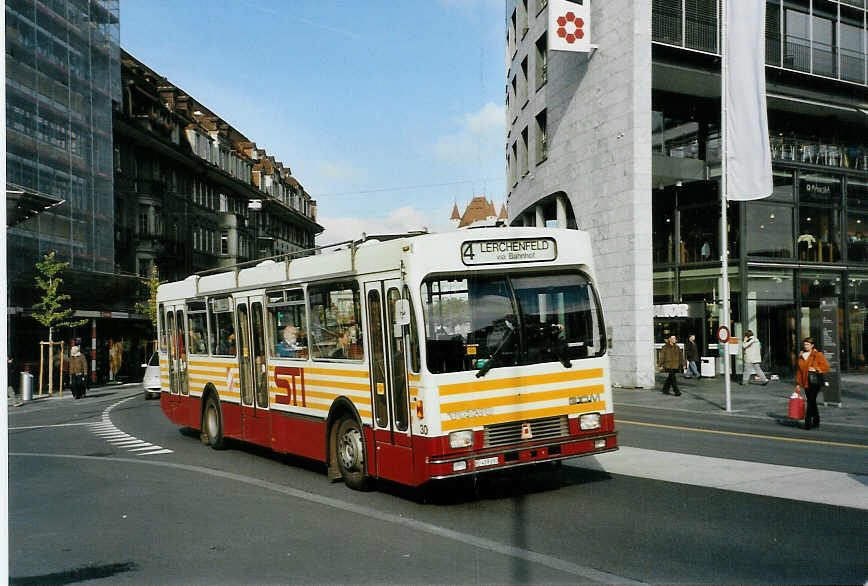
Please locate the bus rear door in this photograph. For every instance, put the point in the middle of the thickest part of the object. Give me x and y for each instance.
(177, 346)
(393, 450)
(253, 372)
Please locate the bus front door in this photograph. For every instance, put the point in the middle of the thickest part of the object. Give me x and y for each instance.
(393, 448)
(252, 369)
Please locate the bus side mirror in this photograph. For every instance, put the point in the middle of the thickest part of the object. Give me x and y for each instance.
(402, 312)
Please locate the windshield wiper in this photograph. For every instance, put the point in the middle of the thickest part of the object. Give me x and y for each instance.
(494, 355)
(559, 346)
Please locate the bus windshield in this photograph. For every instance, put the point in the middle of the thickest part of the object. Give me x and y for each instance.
(476, 322)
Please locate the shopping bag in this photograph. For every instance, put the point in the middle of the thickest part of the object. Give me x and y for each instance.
(797, 405)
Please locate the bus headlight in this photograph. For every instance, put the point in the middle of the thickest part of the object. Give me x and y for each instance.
(589, 421)
(461, 439)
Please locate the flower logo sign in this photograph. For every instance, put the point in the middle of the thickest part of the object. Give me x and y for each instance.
(569, 26)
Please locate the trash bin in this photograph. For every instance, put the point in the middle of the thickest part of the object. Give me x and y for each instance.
(707, 367)
(26, 386)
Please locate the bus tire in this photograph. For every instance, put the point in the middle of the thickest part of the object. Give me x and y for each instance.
(212, 423)
(350, 454)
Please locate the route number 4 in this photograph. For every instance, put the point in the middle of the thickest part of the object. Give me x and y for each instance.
(467, 251)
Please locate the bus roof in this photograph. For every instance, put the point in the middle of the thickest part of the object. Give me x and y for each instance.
(459, 250)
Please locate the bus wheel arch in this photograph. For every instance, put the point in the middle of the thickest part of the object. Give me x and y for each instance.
(212, 419)
(346, 451)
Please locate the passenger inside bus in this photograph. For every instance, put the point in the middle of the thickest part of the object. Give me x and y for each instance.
(289, 346)
(226, 347)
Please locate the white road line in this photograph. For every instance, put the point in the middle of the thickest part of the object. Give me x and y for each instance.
(122, 440)
(789, 482)
(587, 573)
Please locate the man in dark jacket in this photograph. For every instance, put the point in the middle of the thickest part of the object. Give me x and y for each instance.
(691, 354)
(672, 361)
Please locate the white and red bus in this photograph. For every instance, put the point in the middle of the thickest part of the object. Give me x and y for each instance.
(407, 358)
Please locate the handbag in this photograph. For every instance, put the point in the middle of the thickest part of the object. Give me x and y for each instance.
(796, 408)
(815, 379)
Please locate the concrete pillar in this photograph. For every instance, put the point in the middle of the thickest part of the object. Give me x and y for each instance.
(540, 217)
(561, 211)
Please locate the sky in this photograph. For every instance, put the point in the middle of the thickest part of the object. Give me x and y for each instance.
(387, 111)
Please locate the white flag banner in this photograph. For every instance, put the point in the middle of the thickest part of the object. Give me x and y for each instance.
(748, 158)
(569, 26)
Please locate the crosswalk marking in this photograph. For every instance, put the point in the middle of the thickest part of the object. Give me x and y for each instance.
(120, 439)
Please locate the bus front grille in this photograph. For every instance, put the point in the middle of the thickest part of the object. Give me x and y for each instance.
(503, 434)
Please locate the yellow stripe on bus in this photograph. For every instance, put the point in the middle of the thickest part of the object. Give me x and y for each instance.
(324, 395)
(336, 372)
(522, 398)
(520, 415)
(337, 384)
(519, 381)
(414, 377)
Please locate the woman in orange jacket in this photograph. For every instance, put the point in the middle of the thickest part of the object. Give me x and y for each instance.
(810, 359)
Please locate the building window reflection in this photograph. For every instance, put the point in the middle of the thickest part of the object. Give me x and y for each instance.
(663, 226)
(857, 194)
(818, 239)
(770, 230)
(814, 286)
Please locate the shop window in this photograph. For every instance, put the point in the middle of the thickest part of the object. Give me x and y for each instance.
(857, 318)
(818, 239)
(663, 226)
(769, 230)
(857, 194)
(664, 287)
(815, 286)
(700, 234)
(820, 188)
(783, 186)
(857, 237)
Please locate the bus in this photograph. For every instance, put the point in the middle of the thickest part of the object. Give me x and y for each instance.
(407, 358)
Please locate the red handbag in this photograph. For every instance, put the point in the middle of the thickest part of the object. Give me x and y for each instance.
(797, 405)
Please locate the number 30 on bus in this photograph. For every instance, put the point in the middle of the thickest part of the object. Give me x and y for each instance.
(407, 358)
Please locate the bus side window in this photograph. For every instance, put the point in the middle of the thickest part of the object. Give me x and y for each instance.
(287, 325)
(223, 327)
(335, 321)
(161, 325)
(415, 360)
(197, 323)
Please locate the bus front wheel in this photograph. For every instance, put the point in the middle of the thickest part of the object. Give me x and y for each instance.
(212, 423)
(350, 454)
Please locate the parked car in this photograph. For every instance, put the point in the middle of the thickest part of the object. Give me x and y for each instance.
(151, 380)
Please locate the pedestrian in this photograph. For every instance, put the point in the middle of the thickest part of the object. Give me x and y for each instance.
(691, 354)
(812, 366)
(672, 361)
(77, 372)
(750, 349)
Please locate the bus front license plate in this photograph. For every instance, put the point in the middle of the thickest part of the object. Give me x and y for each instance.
(481, 462)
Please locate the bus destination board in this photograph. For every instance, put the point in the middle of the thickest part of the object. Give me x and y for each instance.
(487, 252)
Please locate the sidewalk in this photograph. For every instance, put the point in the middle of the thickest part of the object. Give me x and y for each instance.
(707, 396)
(95, 391)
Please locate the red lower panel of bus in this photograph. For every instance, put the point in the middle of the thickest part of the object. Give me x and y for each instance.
(395, 457)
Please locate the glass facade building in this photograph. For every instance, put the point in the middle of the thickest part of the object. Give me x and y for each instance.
(807, 241)
(62, 75)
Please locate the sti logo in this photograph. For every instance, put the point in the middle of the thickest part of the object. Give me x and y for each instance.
(570, 27)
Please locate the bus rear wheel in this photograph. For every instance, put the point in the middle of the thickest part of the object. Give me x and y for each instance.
(350, 454)
(212, 423)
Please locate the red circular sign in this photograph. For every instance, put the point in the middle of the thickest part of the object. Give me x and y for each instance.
(723, 334)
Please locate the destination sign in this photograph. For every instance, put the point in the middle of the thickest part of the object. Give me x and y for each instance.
(487, 252)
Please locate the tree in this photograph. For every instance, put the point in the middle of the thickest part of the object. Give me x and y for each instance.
(51, 310)
(149, 308)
